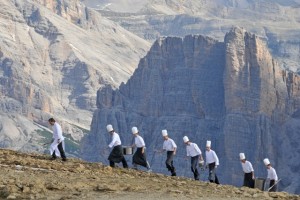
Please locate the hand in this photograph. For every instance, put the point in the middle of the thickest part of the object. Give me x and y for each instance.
(58, 141)
(143, 151)
(253, 177)
(216, 166)
(174, 153)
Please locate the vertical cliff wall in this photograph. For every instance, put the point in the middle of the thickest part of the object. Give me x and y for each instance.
(230, 92)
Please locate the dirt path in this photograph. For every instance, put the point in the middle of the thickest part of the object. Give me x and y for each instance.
(33, 176)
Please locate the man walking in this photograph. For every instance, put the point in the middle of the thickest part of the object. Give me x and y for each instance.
(139, 157)
(248, 171)
(116, 155)
(193, 151)
(212, 161)
(57, 141)
(169, 146)
(272, 175)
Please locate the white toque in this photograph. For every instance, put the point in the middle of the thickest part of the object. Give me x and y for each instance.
(242, 156)
(208, 143)
(134, 130)
(109, 128)
(164, 133)
(266, 161)
(185, 139)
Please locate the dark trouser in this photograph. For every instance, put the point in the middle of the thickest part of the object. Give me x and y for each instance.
(274, 188)
(248, 181)
(116, 156)
(194, 164)
(61, 151)
(212, 173)
(140, 158)
(124, 163)
(169, 162)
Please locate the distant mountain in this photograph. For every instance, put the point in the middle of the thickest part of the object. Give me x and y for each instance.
(233, 93)
(54, 56)
(275, 21)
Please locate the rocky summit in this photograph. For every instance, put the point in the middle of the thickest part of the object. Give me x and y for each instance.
(232, 93)
(34, 176)
(276, 21)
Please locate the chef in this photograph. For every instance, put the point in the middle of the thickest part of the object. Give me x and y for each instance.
(193, 151)
(212, 162)
(116, 155)
(58, 145)
(272, 176)
(139, 157)
(169, 146)
(248, 171)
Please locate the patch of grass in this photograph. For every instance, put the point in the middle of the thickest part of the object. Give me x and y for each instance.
(85, 131)
(71, 145)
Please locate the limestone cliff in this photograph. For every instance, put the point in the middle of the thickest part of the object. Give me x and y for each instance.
(230, 92)
(54, 56)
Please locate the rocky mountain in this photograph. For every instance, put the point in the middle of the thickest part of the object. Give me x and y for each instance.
(54, 56)
(34, 176)
(276, 21)
(233, 93)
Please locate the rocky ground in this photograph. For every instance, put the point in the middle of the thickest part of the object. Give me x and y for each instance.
(35, 176)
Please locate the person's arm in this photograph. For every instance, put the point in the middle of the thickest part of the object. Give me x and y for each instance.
(216, 158)
(252, 170)
(174, 151)
(143, 144)
(113, 141)
(59, 132)
(198, 151)
(174, 147)
(188, 154)
(200, 157)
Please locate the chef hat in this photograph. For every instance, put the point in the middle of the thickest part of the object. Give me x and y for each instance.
(185, 139)
(134, 130)
(164, 133)
(266, 161)
(242, 156)
(109, 128)
(208, 143)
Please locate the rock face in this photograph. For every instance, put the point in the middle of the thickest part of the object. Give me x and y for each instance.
(276, 21)
(232, 93)
(54, 56)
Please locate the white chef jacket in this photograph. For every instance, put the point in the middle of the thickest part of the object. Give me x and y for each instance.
(139, 141)
(247, 167)
(57, 132)
(272, 174)
(211, 157)
(57, 135)
(115, 140)
(169, 145)
(192, 150)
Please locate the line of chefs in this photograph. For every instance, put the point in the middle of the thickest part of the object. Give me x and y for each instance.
(193, 151)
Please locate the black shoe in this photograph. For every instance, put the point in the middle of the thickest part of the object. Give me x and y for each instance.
(52, 158)
(173, 174)
(64, 159)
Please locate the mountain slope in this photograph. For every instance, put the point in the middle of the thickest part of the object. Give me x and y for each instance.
(54, 56)
(33, 176)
